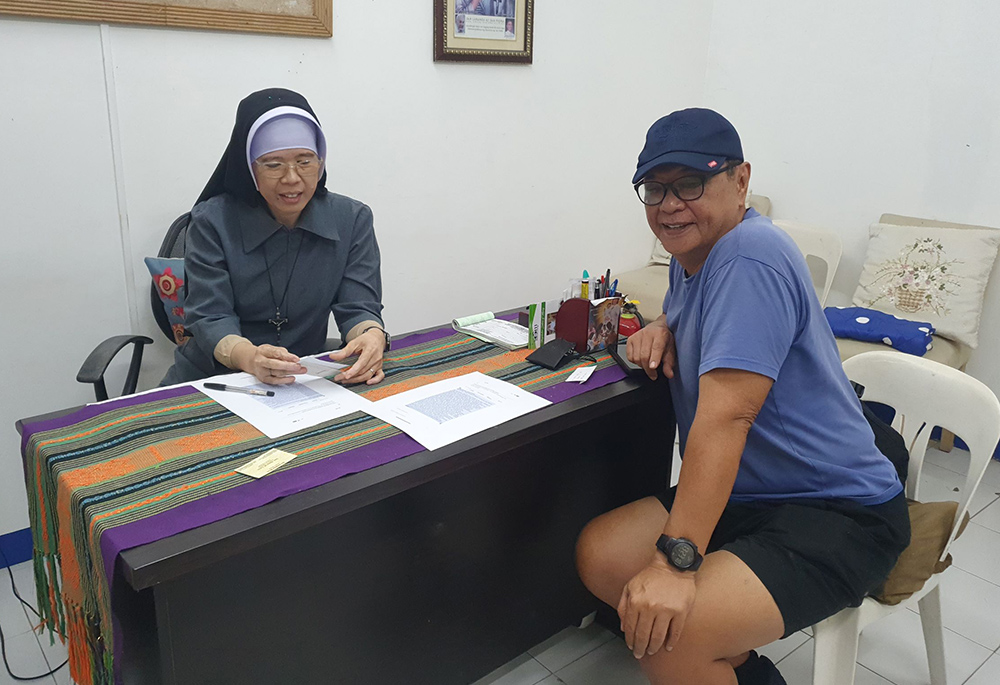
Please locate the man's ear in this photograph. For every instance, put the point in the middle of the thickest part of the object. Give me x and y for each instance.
(743, 182)
(744, 174)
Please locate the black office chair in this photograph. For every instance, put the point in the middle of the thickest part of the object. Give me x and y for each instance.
(97, 362)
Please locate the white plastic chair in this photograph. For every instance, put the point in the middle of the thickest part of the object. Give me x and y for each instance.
(924, 394)
(822, 250)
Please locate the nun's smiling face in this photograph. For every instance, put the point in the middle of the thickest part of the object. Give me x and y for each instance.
(287, 180)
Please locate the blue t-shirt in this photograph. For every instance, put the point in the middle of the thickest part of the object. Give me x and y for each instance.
(752, 306)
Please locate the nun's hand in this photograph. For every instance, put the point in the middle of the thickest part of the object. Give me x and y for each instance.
(369, 347)
(269, 364)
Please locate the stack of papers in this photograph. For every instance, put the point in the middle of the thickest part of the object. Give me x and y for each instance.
(307, 402)
(490, 329)
(434, 415)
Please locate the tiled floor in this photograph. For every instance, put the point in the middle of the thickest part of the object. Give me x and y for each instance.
(24, 649)
(891, 650)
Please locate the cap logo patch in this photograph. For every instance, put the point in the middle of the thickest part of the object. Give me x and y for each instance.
(713, 164)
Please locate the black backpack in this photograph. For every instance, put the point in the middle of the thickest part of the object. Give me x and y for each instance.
(887, 439)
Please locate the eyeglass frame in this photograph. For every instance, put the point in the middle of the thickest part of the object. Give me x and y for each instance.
(671, 188)
(289, 165)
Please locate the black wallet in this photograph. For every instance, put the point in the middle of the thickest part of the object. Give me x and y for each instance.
(553, 354)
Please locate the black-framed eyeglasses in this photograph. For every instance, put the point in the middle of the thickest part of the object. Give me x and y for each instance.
(686, 188)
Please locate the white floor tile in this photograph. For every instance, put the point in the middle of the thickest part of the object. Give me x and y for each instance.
(938, 484)
(988, 492)
(992, 475)
(894, 648)
(610, 663)
(13, 618)
(971, 607)
(569, 645)
(25, 659)
(54, 655)
(521, 671)
(62, 676)
(779, 649)
(988, 673)
(978, 552)
(551, 680)
(796, 668)
(958, 461)
(863, 676)
(990, 516)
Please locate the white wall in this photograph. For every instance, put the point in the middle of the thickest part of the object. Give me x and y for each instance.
(491, 185)
(61, 271)
(855, 108)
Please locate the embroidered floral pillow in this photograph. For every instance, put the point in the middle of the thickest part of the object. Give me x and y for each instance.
(168, 277)
(937, 275)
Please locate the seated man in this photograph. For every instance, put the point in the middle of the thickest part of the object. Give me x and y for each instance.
(782, 488)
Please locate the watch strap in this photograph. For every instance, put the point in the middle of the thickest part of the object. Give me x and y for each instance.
(388, 341)
(667, 544)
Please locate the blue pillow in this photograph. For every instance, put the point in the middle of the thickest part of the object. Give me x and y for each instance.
(168, 276)
(871, 325)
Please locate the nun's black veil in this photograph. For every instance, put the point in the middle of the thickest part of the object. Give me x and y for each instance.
(233, 175)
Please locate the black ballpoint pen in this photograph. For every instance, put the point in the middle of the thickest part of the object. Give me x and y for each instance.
(234, 388)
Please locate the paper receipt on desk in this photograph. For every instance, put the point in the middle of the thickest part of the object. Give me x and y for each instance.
(581, 375)
(265, 463)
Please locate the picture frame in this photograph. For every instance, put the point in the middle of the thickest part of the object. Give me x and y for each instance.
(497, 31)
(298, 18)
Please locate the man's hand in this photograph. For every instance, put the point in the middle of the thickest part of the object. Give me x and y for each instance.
(269, 364)
(652, 348)
(654, 607)
(369, 347)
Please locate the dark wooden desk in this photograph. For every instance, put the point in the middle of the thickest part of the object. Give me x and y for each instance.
(435, 568)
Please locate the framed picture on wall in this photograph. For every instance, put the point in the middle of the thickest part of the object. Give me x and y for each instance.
(483, 31)
(291, 17)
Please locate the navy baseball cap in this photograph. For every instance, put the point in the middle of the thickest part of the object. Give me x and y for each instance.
(698, 138)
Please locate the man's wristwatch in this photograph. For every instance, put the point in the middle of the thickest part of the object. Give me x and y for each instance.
(378, 328)
(681, 553)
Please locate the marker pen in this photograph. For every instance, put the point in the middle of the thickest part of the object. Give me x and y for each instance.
(234, 388)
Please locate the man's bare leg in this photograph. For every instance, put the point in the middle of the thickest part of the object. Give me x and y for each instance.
(732, 614)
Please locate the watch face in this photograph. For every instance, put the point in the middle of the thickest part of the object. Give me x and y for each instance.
(682, 555)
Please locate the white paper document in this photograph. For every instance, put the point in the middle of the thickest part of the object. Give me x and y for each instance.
(507, 333)
(320, 368)
(441, 413)
(307, 402)
(487, 327)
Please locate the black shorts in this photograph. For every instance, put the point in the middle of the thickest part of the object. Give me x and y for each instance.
(815, 557)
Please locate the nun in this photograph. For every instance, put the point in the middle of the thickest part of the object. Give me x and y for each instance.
(270, 253)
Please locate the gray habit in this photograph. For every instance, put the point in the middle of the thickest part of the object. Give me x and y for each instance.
(230, 250)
